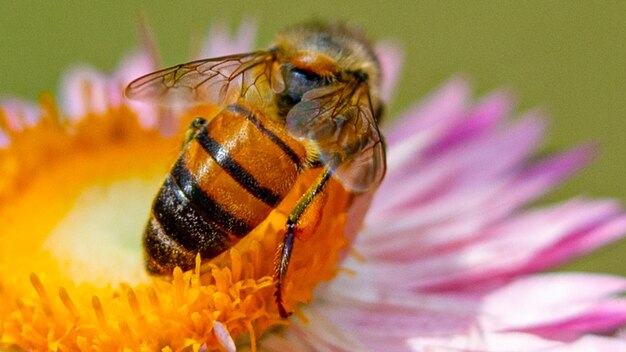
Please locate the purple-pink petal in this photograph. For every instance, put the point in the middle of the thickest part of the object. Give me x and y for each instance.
(390, 56)
(221, 42)
(480, 120)
(603, 318)
(515, 342)
(432, 116)
(384, 320)
(514, 247)
(84, 91)
(136, 65)
(483, 163)
(580, 242)
(556, 305)
(461, 215)
(16, 115)
(499, 252)
(534, 180)
(19, 114)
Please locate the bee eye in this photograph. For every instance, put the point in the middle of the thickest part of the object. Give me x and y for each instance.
(306, 75)
(297, 82)
(300, 81)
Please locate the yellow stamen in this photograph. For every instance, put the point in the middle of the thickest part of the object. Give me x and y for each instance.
(62, 186)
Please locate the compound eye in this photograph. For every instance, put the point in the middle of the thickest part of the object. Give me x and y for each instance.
(305, 75)
(299, 81)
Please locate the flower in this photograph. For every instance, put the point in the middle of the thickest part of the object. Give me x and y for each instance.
(450, 251)
(447, 260)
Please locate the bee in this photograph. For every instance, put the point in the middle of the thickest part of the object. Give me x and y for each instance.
(310, 101)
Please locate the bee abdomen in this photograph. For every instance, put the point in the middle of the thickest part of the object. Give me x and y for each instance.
(233, 172)
(246, 180)
(184, 222)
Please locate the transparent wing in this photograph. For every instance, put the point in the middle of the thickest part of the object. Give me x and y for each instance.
(215, 80)
(340, 121)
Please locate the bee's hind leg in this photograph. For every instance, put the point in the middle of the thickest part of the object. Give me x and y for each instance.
(312, 201)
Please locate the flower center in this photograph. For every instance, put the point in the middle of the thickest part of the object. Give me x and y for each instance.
(97, 241)
(73, 206)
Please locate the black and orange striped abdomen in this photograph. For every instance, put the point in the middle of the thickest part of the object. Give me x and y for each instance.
(228, 178)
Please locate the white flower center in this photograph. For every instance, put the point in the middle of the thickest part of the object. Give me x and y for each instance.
(99, 241)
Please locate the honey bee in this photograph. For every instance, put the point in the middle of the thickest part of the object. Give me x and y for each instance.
(310, 101)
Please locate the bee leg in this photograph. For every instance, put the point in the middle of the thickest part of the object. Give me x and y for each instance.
(315, 194)
(193, 128)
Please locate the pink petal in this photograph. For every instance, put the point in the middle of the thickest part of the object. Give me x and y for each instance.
(84, 91)
(501, 252)
(515, 342)
(220, 42)
(518, 252)
(384, 320)
(579, 243)
(292, 340)
(478, 341)
(223, 337)
(132, 66)
(321, 333)
(602, 318)
(481, 120)
(591, 343)
(483, 162)
(19, 113)
(4, 139)
(536, 179)
(457, 215)
(391, 57)
(514, 248)
(135, 65)
(431, 116)
(552, 301)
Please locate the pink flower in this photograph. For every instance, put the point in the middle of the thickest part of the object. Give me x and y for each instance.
(450, 255)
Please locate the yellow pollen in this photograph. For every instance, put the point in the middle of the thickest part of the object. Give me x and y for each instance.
(74, 197)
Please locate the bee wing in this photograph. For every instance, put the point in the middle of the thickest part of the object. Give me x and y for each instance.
(215, 80)
(340, 121)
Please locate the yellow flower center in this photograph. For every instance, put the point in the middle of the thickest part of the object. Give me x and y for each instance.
(118, 258)
(74, 198)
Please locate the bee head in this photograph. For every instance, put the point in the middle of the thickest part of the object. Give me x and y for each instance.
(316, 54)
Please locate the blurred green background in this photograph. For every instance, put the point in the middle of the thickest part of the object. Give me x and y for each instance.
(567, 57)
